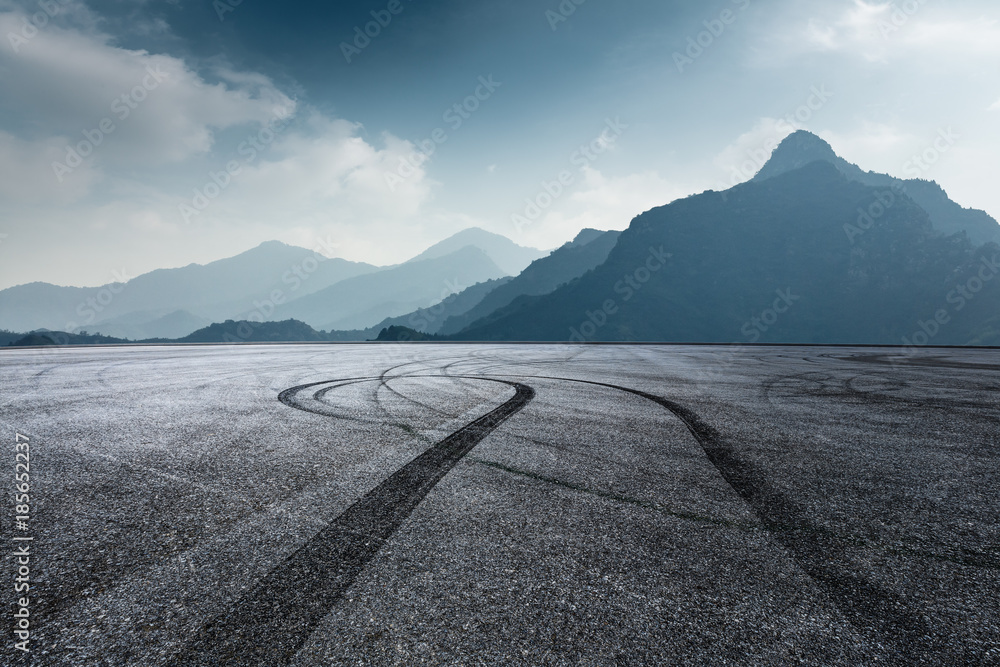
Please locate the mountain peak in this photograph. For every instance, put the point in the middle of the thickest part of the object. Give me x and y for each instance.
(796, 151)
(802, 148)
(509, 256)
(586, 236)
(803, 139)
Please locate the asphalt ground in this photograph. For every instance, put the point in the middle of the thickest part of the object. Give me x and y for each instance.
(505, 504)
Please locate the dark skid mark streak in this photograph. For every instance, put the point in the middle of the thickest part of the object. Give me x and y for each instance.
(269, 624)
(819, 552)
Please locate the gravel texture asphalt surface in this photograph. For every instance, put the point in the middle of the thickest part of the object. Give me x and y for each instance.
(505, 504)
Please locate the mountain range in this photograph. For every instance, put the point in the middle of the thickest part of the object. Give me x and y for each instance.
(262, 283)
(802, 148)
(813, 249)
(586, 252)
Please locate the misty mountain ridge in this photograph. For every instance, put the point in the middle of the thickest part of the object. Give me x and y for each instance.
(170, 303)
(362, 301)
(811, 250)
(206, 293)
(801, 148)
(433, 318)
(587, 251)
(769, 261)
(510, 257)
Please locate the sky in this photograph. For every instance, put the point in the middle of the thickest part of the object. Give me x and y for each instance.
(145, 134)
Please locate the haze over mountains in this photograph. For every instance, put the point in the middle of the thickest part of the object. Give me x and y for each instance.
(172, 303)
(812, 250)
(801, 148)
(362, 301)
(505, 254)
(587, 251)
(809, 251)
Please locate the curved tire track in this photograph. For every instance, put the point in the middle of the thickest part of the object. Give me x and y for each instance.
(819, 552)
(268, 625)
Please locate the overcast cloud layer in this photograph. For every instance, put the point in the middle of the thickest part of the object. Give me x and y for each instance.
(142, 135)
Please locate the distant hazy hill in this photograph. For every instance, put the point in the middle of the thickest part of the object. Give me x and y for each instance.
(8, 337)
(53, 338)
(430, 320)
(588, 250)
(170, 303)
(145, 324)
(510, 257)
(147, 305)
(44, 306)
(772, 261)
(812, 250)
(801, 148)
(245, 331)
(362, 302)
(400, 334)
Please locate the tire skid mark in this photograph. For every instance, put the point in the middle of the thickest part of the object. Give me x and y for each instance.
(819, 552)
(384, 377)
(825, 385)
(384, 380)
(619, 498)
(290, 398)
(925, 362)
(268, 625)
(319, 406)
(385, 383)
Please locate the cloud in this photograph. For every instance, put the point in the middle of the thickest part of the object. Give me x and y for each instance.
(139, 108)
(26, 174)
(881, 147)
(975, 36)
(319, 177)
(315, 176)
(325, 170)
(880, 32)
(741, 160)
(600, 202)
